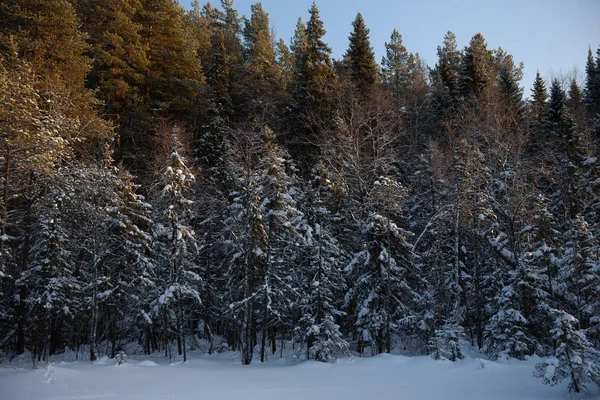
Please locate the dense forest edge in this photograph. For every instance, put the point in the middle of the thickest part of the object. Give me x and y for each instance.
(169, 173)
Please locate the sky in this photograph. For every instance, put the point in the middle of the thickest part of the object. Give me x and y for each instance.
(552, 36)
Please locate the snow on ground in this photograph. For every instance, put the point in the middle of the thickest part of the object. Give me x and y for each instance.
(222, 377)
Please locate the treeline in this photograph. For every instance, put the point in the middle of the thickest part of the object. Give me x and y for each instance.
(279, 195)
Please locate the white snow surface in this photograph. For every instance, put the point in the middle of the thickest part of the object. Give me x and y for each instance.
(222, 377)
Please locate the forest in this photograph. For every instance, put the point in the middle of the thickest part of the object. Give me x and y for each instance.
(169, 175)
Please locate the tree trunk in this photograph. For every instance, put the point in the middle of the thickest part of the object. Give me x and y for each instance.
(273, 336)
(94, 321)
(181, 329)
(478, 300)
(388, 300)
(113, 335)
(21, 318)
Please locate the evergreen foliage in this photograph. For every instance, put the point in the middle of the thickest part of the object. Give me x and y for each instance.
(257, 242)
(360, 56)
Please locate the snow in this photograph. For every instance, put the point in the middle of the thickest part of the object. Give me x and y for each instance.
(222, 376)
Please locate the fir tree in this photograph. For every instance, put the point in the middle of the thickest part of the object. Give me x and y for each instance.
(579, 270)
(175, 246)
(574, 359)
(382, 294)
(322, 274)
(446, 344)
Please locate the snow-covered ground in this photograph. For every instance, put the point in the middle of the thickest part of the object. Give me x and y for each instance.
(222, 377)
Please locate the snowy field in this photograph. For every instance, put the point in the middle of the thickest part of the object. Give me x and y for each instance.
(222, 377)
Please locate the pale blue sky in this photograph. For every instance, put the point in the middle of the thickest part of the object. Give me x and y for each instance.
(549, 35)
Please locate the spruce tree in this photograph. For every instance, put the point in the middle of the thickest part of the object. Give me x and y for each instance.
(508, 77)
(262, 219)
(575, 358)
(35, 145)
(556, 104)
(476, 73)
(175, 246)
(360, 57)
(539, 96)
(383, 294)
(575, 96)
(276, 291)
(312, 88)
(592, 82)
(579, 268)
(447, 70)
(321, 272)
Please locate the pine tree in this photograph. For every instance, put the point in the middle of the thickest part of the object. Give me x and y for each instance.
(202, 22)
(396, 70)
(175, 75)
(263, 78)
(47, 36)
(360, 57)
(120, 63)
(233, 30)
